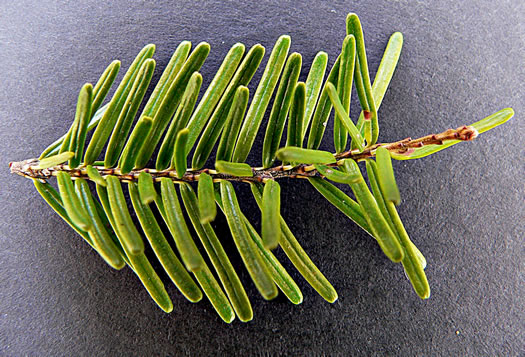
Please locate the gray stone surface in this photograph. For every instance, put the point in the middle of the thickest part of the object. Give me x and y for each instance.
(463, 207)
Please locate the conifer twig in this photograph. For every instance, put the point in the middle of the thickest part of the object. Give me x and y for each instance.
(30, 168)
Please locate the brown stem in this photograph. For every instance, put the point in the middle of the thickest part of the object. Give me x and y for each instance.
(29, 168)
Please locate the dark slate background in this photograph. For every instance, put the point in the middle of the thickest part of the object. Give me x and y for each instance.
(463, 207)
